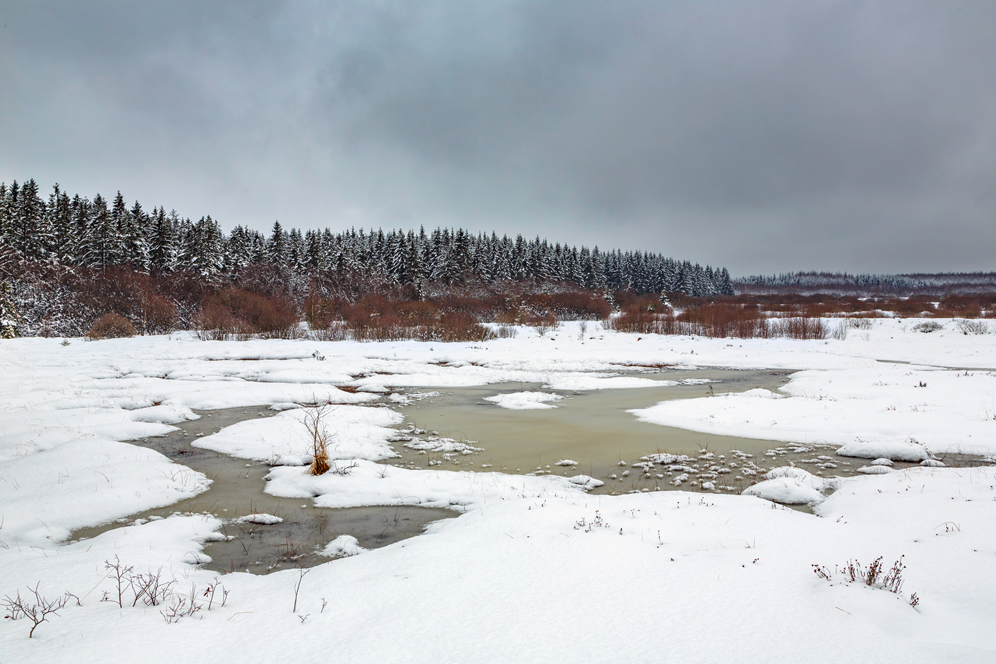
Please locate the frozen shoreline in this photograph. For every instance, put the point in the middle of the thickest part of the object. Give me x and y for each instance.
(513, 570)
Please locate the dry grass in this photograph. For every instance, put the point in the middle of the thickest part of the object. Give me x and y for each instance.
(313, 419)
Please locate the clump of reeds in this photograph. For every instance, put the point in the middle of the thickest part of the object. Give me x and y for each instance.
(319, 440)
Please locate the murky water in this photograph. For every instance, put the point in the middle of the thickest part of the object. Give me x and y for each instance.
(593, 429)
(457, 429)
(237, 490)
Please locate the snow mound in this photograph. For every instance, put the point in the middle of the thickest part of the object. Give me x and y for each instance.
(875, 470)
(259, 519)
(342, 546)
(787, 491)
(882, 462)
(911, 452)
(283, 405)
(196, 558)
(932, 463)
(167, 413)
(789, 485)
(524, 400)
(801, 475)
(566, 462)
(586, 481)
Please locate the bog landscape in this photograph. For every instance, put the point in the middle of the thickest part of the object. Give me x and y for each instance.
(497, 332)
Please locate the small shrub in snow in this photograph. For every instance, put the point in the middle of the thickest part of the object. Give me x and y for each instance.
(111, 326)
(588, 526)
(927, 327)
(873, 576)
(973, 327)
(37, 610)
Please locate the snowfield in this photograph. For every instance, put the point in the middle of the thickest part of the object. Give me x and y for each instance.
(534, 568)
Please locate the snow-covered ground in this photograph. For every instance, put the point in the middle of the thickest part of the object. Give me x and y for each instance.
(534, 568)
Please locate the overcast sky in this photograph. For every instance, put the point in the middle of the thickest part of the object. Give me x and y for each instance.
(762, 136)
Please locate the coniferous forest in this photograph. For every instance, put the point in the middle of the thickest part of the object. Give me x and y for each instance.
(67, 260)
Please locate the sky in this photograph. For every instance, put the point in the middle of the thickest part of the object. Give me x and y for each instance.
(761, 136)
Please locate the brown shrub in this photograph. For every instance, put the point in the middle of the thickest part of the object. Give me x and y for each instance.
(725, 320)
(801, 328)
(157, 315)
(237, 313)
(111, 326)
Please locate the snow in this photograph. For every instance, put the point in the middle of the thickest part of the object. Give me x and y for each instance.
(534, 568)
(586, 481)
(259, 519)
(789, 485)
(893, 451)
(874, 470)
(524, 400)
(342, 546)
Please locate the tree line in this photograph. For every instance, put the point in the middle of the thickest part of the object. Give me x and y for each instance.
(76, 231)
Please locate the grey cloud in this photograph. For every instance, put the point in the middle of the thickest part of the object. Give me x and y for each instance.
(762, 136)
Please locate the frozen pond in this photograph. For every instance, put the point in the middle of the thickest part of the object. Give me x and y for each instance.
(237, 490)
(594, 429)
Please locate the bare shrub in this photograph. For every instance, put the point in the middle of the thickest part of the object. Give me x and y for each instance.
(235, 313)
(36, 608)
(973, 327)
(319, 439)
(111, 326)
(725, 320)
(157, 315)
(152, 589)
(801, 328)
(927, 327)
(839, 330)
(874, 575)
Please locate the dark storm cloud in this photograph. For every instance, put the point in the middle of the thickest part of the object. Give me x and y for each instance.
(762, 136)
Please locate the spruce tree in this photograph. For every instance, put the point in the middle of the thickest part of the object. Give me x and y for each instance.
(276, 247)
(103, 240)
(29, 233)
(8, 312)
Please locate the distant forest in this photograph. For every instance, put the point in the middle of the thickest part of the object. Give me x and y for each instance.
(77, 231)
(868, 285)
(53, 250)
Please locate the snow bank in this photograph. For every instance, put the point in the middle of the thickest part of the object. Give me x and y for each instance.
(790, 486)
(884, 404)
(894, 451)
(352, 432)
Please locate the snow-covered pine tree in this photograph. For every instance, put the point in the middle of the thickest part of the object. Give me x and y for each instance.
(276, 246)
(162, 241)
(8, 312)
(135, 248)
(238, 249)
(60, 220)
(29, 232)
(4, 212)
(103, 240)
(201, 249)
(725, 285)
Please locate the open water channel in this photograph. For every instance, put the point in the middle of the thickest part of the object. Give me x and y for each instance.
(458, 429)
